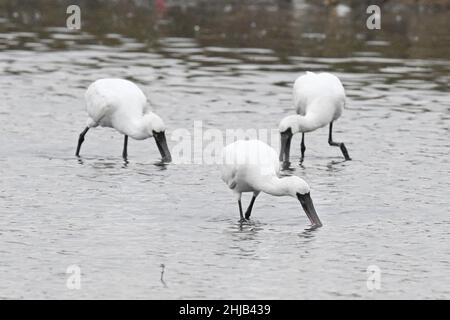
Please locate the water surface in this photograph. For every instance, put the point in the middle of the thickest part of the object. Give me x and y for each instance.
(231, 66)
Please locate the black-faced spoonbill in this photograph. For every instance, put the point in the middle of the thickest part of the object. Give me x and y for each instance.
(319, 100)
(120, 104)
(252, 166)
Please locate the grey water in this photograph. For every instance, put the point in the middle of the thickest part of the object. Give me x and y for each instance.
(230, 65)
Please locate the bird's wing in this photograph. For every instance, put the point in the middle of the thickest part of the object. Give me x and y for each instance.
(263, 155)
(229, 170)
(245, 161)
(300, 92)
(334, 92)
(119, 94)
(97, 102)
(332, 85)
(311, 86)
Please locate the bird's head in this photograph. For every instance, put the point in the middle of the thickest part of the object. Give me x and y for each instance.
(154, 123)
(296, 185)
(157, 129)
(289, 123)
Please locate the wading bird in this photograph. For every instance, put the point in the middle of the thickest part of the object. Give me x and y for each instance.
(120, 104)
(319, 100)
(252, 166)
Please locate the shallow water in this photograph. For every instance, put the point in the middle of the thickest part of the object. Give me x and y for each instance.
(230, 66)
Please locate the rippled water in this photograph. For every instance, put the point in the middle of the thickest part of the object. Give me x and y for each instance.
(231, 66)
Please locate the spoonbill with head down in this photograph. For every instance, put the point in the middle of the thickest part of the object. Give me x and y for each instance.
(252, 166)
(319, 100)
(120, 104)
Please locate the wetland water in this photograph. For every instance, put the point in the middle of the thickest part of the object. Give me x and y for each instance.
(230, 66)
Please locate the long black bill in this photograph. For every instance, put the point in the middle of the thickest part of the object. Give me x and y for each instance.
(286, 138)
(308, 206)
(161, 143)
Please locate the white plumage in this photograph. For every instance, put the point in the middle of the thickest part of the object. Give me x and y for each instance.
(321, 94)
(252, 166)
(246, 163)
(120, 104)
(319, 99)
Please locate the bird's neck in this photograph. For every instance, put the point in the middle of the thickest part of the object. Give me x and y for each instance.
(317, 115)
(138, 128)
(310, 122)
(274, 186)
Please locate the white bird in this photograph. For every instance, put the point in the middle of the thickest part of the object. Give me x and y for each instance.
(252, 166)
(120, 104)
(319, 100)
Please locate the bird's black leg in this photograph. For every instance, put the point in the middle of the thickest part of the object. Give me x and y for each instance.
(240, 211)
(125, 148)
(250, 207)
(337, 144)
(302, 147)
(80, 141)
